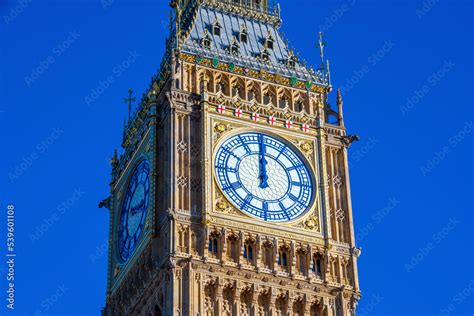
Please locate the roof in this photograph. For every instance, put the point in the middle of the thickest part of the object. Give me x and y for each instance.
(249, 53)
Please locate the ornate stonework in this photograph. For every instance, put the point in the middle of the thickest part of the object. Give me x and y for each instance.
(199, 253)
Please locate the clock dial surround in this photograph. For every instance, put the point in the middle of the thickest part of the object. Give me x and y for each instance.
(134, 211)
(264, 176)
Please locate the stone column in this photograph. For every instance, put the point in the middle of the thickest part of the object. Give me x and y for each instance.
(258, 252)
(272, 305)
(223, 245)
(219, 299)
(275, 255)
(292, 267)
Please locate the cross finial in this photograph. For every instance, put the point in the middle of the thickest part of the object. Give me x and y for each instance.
(129, 100)
(322, 45)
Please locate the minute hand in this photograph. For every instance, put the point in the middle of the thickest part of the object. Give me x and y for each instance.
(263, 166)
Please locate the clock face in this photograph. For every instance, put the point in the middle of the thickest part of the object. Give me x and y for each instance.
(134, 209)
(264, 177)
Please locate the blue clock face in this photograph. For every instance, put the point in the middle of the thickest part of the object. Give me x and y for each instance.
(264, 177)
(134, 210)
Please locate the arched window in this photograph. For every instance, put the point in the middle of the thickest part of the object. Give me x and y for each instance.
(299, 106)
(301, 262)
(265, 56)
(206, 40)
(232, 248)
(283, 102)
(282, 258)
(244, 35)
(269, 42)
(234, 47)
(267, 255)
(257, 4)
(213, 247)
(317, 265)
(292, 60)
(248, 251)
(216, 28)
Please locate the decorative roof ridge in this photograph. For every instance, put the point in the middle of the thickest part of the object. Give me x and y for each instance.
(271, 15)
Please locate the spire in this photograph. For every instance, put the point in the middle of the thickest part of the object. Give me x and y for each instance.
(129, 101)
(328, 70)
(339, 107)
(322, 45)
(114, 161)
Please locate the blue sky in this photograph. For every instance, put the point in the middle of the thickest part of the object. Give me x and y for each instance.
(405, 68)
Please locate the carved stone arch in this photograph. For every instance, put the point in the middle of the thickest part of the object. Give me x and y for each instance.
(302, 260)
(319, 264)
(284, 256)
(203, 74)
(246, 298)
(225, 84)
(300, 102)
(286, 99)
(228, 296)
(210, 291)
(270, 95)
(233, 246)
(256, 91)
(317, 307)
(263, 302)
(214, 246)
(281, 303)
(249, 245)
(267, 252)
(240, 88)
(299, 305)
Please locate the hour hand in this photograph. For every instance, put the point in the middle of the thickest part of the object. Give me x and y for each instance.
(264, 176)
(263, 167)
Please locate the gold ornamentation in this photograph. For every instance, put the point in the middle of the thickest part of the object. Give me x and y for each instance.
(221, 128)
(221, 205)
(311, 223)
(306, 147)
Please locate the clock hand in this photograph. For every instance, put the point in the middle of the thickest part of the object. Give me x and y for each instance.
(263, 165)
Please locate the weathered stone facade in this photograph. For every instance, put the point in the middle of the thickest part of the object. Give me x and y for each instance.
(200, 255)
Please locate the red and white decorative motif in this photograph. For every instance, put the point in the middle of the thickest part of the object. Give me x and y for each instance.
(255, 116)
(238, 113)
(272, 120)
(220, 108)
(288, 124)
(305, 128)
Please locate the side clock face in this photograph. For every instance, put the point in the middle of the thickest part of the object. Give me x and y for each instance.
(264, 177)
(134, 209)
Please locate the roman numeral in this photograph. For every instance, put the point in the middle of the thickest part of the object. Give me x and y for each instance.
(247, 200)
(234, 186)
(294, 167)
(293, 198)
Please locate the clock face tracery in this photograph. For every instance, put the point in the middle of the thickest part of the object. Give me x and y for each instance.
(134, 210)
(264, 177)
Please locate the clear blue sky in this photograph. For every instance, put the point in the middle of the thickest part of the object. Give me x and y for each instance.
(406, 70)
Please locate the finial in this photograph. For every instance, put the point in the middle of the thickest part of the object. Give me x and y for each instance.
(322, 45)
(114, 161)
(129, 100)
(328, 71)
(171, 22)
(339, 107)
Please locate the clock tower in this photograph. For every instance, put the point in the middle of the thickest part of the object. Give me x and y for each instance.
(232, 194)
